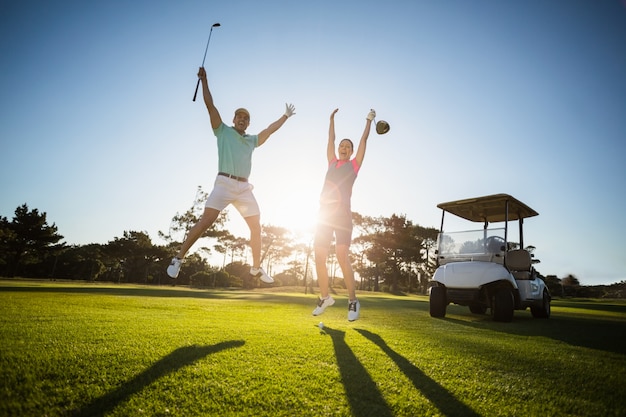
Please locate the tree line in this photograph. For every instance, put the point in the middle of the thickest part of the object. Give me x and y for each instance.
(389, 254)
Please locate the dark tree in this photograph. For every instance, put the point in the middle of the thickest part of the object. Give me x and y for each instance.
(27, 240)
(136, 257)
(395, 251)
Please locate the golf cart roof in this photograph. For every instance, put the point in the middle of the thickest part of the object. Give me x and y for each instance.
(491, 208)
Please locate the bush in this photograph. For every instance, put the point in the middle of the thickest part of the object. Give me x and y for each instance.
(216, 279)
(235, 281)
(200, 280)
(221, 279)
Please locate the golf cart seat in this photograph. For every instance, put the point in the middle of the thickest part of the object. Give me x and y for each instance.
(519, 263)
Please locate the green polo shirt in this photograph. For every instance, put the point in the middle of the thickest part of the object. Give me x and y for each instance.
(235, 150)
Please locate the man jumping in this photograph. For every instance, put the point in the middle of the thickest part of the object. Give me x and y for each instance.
(231, 186)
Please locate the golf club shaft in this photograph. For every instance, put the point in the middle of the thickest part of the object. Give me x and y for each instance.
(204, 58)
(207, 46)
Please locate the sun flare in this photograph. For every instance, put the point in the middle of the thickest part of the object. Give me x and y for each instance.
(297, 213)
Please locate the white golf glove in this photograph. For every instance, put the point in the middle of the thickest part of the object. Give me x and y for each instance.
(371, 115)
(290, 110)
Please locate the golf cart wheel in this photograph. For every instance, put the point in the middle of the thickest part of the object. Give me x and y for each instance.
(478, 308)
(542, 312)
(502, 306)
(438, 302)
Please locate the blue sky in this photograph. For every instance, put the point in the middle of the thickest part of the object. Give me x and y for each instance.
(99, 131)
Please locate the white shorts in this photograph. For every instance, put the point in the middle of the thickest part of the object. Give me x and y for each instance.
(238, 193)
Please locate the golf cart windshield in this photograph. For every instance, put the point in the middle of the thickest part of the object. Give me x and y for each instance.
(474, 245)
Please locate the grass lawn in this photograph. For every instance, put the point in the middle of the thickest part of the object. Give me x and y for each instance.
(69, 349)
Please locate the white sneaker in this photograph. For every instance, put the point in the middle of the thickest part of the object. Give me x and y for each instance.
(354, 308)
(174, 268)
(322, 303)
(260, 273)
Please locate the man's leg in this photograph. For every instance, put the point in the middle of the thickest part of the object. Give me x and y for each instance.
(208, 218)
(254, 223)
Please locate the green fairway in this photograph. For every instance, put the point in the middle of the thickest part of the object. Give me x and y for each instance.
(70, 349)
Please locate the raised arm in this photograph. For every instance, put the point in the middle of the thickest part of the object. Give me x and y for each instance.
(360, 152)
(290, 110)
(330, 148)
(214, 115)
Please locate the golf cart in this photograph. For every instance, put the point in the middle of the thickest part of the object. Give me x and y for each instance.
(483, 269)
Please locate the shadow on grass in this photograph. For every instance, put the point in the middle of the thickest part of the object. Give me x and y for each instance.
(593, 333)
(178, 359)
(109, 289)
(364, 397)
(447, 404)
(135, 290)
(595, 305)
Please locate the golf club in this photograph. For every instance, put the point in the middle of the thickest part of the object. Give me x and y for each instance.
(215, 25)
(382, 126)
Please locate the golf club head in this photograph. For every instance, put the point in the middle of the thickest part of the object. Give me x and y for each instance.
(382, 127)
